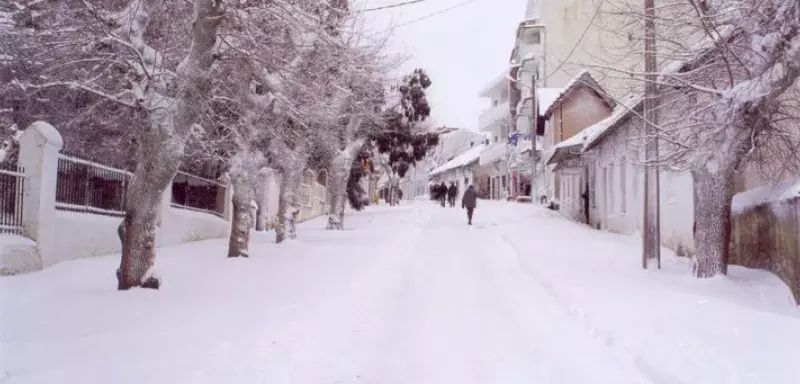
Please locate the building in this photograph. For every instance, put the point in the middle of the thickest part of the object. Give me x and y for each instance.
(460, 170)
(452, 142)
(581, 104)
(496, 124)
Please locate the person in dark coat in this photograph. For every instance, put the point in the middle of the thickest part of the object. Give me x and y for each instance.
(442, 193)
(469, 201)
(452, 194)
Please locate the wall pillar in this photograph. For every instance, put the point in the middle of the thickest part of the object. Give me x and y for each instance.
(39, 147)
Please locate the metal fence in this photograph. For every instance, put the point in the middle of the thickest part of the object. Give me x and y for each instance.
(12, 183)
(198, 193)
(91, 187)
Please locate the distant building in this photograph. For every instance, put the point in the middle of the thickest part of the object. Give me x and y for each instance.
(452, 142)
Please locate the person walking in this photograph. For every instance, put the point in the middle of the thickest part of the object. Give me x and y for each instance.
(452, 194)
(442, 193)
(469, 201)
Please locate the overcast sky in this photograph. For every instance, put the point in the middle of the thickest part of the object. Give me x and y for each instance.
(462, 49)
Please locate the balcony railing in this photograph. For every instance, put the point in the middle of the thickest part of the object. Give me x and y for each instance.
(492, 115)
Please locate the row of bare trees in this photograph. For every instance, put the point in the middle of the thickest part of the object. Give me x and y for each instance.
(243, 84)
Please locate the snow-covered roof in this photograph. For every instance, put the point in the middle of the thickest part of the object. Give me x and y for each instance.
(495, 152)
(747, 200)
(461, 160)
(583, 78)
(495, 87)
(599, 130)
(587, 135)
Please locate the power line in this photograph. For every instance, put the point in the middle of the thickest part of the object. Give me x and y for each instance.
(578, 42)
(391, 6)
(436, 13)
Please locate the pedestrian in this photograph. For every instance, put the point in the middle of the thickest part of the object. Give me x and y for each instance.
(442, 193)
(469, 201)
(452, 194)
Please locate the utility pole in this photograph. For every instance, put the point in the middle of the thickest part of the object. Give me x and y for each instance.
(651, 236)
(534, 121)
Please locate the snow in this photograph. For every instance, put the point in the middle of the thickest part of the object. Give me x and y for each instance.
(548, 96)
(461, 160)
(18, 254)
(785, 190)
(410, 294)
(597, 131)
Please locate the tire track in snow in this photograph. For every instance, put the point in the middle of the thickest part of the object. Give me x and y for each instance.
(583, 320)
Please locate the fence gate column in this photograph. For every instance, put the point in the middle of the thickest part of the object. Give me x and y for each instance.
(38, 153)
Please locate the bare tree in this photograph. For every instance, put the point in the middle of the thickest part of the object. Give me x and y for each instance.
(723, 106)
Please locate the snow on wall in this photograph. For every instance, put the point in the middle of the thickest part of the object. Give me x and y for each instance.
(182, 226)
(83, 235)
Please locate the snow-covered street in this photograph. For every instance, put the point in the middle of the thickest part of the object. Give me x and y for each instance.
(407, 295)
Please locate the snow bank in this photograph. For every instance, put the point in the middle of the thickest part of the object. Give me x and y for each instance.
(750, 199)
(744, 328)
(18, 254)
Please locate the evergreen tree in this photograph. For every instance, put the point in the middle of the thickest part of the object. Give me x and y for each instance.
(400, 140)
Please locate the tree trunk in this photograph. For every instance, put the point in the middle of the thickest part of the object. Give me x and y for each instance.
(239, 241)
(287, 206)
(338, 184)
(157, 166)
(261, 217)
(161, 147)
(261, 196)
(713, 194)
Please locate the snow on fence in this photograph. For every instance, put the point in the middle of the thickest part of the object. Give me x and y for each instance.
(88, 186)
(767, 236)
(12, 184)
(198, 194)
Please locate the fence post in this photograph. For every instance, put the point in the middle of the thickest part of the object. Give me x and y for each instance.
(227, 197)
(38, 153)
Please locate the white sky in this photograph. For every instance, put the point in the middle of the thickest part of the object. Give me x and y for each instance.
(462, 49)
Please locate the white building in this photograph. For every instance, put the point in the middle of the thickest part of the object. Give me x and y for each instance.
(496, 123)
(452, 142)
(460, 170)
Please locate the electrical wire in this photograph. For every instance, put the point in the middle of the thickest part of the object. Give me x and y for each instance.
(391, 6)
(577, 43)
(462, 4)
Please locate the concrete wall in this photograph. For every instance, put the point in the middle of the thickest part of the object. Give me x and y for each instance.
(52, 236)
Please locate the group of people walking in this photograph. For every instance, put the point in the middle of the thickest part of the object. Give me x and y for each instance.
(447, 196)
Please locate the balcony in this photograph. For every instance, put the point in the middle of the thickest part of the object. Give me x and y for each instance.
(491, 116)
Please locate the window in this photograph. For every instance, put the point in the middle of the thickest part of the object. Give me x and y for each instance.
(622, 181)
(466, 181)
(535, 37)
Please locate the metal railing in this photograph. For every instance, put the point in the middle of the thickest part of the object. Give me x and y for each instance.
(12, 184)
(197, 193)
(90, 187)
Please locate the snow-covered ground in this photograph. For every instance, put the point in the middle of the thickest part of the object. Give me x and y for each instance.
(406, 295)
